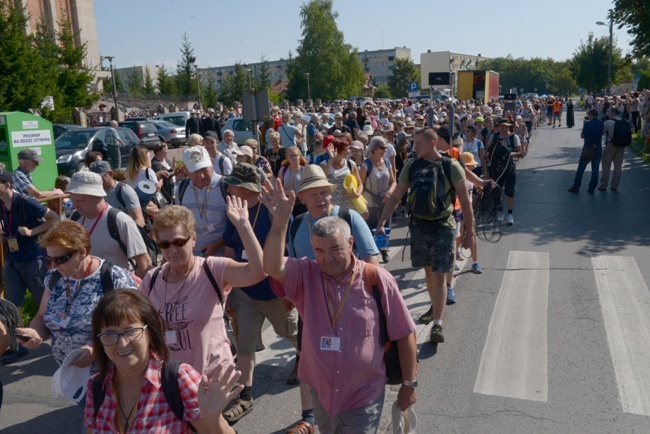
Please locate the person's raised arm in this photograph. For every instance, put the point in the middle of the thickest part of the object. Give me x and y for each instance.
(244, 273)
(280, 206)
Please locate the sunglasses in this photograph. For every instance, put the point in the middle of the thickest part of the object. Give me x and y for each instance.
(167, 244)
(59, 260)
(383, 147)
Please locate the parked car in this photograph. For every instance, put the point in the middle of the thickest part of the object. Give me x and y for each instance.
(62, 128)
(72, 146)
(243, 130)
(178, 118)
(173, 134)
(145, 130)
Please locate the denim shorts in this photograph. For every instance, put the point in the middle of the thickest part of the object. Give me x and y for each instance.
(432, 244)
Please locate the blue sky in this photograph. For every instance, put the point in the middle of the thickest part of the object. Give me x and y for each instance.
(224, 32)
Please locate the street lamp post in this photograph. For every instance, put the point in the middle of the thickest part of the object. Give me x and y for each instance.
(110, 61)
(308, 88)
(611, 47)
(249, 73)
(192, 61)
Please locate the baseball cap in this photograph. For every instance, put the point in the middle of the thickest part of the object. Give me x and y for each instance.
(244, 150)
(479, 119)
(401, 135)
(196, 158)
(6, 176)
(211, 135)
(29, 154)
(100, 167)
(246, 176)
(88, 183)
(70, 382)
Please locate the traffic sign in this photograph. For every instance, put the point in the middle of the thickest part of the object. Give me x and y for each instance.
(414, 86)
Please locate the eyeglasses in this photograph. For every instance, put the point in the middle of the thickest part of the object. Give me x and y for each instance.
(112, 338)
(382, 147)
(59, 260)
(167, 244)
(293, 156)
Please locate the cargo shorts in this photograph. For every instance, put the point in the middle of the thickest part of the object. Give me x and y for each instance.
(432, 244)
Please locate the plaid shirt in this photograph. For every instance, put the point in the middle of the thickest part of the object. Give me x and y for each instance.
(22, 181)
(154, 414)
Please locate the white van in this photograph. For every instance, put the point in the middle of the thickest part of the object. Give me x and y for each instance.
(177, 118)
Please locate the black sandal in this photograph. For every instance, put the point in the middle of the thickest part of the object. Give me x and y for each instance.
(238, 410)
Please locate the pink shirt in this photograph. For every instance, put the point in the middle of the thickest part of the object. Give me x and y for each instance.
(153, 414)
(355, 376)
(191, 309)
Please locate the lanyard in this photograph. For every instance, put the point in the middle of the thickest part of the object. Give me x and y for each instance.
(309, 218)
(10, 217)
(334, 316)
(203, 210)
(72, 298)
(257, 214)
(99, 217)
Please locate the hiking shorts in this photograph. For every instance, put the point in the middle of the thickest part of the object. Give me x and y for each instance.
(506, 181)
(432, 244)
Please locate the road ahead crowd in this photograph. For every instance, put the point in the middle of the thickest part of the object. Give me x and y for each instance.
(289, 230)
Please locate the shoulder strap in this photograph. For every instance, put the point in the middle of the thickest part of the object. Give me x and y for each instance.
(283, 171)
(220, 162)
(98, 392)
(171, 390)
(106, 276)
(368, 163)
(371, 282)
(213, 281)
(446, 167)
(54, 279)
(113, 230)
(21, 205)
(181, 190)
(344, 213)
(154, 276)
(118, 193)
(349, 163)
(295, 225)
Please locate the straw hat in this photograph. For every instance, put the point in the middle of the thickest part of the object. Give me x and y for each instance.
(312, 176)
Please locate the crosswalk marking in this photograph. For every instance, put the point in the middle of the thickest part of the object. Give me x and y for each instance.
(514, 360)
(625, 301)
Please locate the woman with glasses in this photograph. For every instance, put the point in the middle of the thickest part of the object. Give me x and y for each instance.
(129, 346)
(289, 175)
(378, 184)
(72, 290)
(337, 168)
(189, 291)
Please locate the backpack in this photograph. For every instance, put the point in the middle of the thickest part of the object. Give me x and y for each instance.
(622, 135)
(498, 155)
(10, 317)
(428, 197)
(182, 187)
(168, 383)
(114, 232)
(104, 274)
(211, 278)
(344, 213)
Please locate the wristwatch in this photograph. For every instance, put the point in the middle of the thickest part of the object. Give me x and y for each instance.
(412, 384)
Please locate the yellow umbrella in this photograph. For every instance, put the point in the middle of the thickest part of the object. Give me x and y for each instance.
(350, 186)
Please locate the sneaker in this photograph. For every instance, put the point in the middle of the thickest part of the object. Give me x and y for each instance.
(456, 267)
(436, 334)
(476, 269)
(12, 356)
(500, 216)
(510, 220)
(427, 316)
(384, 256)
(451, 296)
(459, 256)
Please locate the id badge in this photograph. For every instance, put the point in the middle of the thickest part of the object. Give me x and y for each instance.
(170, 338)
(206, 229)
(330, 343)
(13, 244)
(61, 319)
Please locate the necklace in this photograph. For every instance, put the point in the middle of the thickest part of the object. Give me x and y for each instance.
(127, 419)
(71, 298)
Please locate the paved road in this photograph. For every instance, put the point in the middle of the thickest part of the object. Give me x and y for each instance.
(554, 336)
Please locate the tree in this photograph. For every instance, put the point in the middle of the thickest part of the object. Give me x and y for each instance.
(166, 83)
(323, 53)
(383, 91)
(233, 85)
(563, 82)
(532, 75)
(185, 79)
(134, 83)
(148, 88)
(209, 93)
(635, 14)
(119, 84)
(404, 72)
(590, 61)
(263, 77)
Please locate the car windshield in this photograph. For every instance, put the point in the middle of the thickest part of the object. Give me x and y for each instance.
(164, 124)
(74, 139)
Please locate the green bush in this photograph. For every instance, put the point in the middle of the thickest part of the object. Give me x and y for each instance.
(29, 308)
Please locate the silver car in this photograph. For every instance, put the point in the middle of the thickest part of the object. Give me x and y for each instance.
(171, 133)
(243, 130)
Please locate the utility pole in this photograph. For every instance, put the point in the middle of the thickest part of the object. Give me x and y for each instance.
(110, 61)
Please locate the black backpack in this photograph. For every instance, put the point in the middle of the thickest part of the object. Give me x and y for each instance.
(104, 273)
(206, 268)
(428, 196)
(344, 213)
(622, 135)
(114, 232)
(498, 154)
(182, 187)
(168, 382)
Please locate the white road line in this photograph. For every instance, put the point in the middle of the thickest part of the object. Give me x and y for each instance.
(625, 301)
(514, 360)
